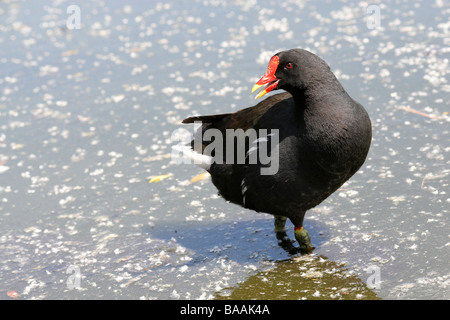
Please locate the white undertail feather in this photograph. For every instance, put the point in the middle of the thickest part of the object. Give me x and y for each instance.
(201, 160)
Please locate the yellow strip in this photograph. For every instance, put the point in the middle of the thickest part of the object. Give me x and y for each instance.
(158, 178)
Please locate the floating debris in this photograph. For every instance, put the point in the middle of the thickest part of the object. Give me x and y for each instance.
(418, 112)
(12, 294)
(3, 169)
(201, 176)
(159, 178)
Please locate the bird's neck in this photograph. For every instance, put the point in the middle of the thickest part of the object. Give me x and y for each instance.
(315, 93)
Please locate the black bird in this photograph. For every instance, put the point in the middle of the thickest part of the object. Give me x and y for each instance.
(315, 135)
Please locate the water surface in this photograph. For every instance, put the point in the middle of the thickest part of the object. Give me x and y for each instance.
(86, 120)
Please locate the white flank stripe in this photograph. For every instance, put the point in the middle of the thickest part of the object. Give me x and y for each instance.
(243, 190)
(263, 139)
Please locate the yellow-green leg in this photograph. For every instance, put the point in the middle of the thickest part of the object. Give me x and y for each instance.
(304, 239)
(301, 235)
(283, 239)
(280, 223)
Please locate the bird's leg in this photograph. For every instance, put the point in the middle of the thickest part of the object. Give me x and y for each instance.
(283, 239)
(280, 228)
(304, 239)
(280, 224)
(301, 234)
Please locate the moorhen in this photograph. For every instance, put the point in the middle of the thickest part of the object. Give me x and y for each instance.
(315, 136)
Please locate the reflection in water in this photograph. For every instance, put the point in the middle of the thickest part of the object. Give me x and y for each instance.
(305, 277)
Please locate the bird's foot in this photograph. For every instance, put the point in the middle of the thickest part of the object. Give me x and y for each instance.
(304, 239)
(283, 239)
(301, 235)
(286, 243)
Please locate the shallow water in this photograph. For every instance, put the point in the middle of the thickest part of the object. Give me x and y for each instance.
(87, 117)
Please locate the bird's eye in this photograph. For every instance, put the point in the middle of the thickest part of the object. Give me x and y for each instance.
(289, 65)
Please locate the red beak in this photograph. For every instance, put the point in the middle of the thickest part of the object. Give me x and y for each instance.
(268, 78)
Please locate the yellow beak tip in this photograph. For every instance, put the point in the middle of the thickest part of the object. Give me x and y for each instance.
(256, 87)
(263, 92)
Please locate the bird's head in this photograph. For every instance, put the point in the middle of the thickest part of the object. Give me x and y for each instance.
(290, 70)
